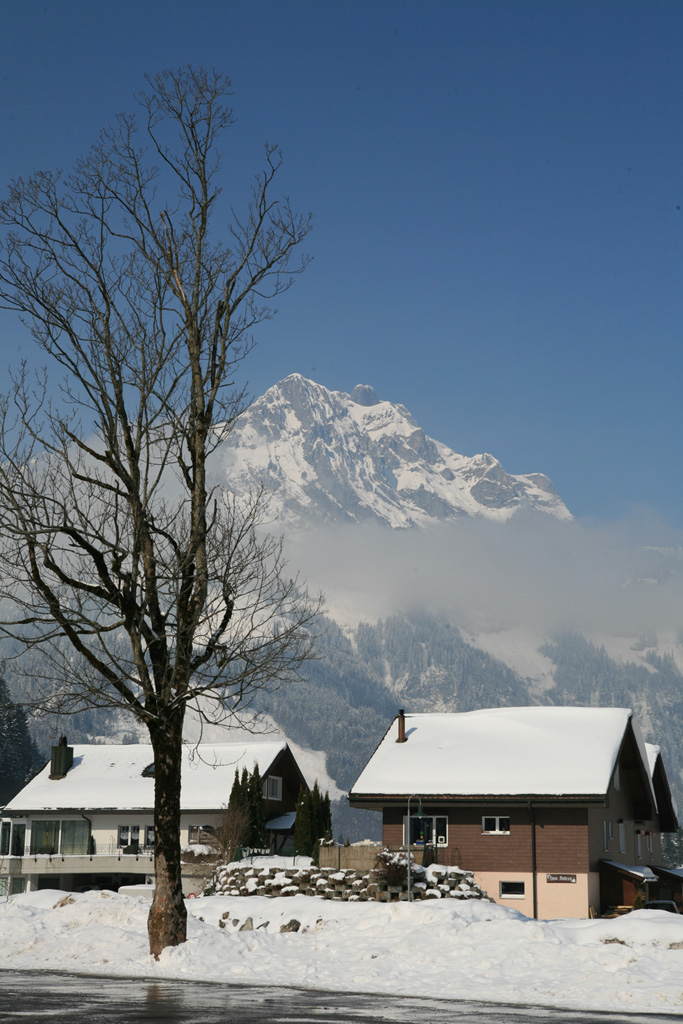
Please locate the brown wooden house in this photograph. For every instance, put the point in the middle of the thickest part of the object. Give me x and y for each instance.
(557, 810)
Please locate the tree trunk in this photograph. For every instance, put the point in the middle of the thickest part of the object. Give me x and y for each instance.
(167, 922)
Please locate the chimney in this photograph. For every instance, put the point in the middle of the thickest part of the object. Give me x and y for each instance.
(401, 727)
(61, 759)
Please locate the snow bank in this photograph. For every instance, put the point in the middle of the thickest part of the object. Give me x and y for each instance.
(470, 951)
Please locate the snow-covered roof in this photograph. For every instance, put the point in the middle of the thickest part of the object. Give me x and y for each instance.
(551, 751)
(676, 872)
(653, 753)
(109, 777)
(637, 870)
(282, 823)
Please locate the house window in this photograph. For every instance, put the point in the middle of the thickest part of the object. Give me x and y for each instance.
(45, 837)
(491, 826)
(427, 830)
(617, 778)
(611, 830)
(149, 835)
(639, 845)
(75, 836)
(272, 788)
(511, 890)
(18, 839)
(201, 833)
(605, 835)
(622, 837)
(4, 838)
(124, 835)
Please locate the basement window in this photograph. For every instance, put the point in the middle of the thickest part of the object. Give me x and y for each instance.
(495, 826)
(511, 890)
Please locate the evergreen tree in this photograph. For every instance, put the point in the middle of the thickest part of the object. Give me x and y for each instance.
(321, 819)
(303, 841)
(235, 793)
(316, 805)
(18, 754)
(244, 788)
(257, 833)
(327, 817)
(672, 849)
(313, 821)
(246, 804)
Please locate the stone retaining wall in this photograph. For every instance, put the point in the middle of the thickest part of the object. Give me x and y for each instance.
(435, 882)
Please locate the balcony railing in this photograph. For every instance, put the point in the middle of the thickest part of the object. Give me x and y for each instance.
(99, 849)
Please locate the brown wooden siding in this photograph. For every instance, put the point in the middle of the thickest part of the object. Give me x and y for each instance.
(561, 838)
(619, 807)
(473, 851)
(392, 827)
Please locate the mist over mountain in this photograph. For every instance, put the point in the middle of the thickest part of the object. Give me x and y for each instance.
(451, 585)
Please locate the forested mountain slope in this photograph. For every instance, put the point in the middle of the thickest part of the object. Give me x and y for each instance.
(421, 662)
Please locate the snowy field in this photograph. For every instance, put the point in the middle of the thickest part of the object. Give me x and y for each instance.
(471, 950)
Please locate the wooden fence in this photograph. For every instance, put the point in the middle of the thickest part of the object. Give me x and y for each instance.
(358, 858)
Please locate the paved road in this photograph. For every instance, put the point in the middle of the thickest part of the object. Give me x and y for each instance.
(39, 998)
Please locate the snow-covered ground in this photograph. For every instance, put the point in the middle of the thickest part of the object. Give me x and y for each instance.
(472, 950)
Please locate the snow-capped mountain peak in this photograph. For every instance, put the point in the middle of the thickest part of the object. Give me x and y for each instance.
(328, 456)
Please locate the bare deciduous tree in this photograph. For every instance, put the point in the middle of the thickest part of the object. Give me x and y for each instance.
(148, 588)
(232, 831)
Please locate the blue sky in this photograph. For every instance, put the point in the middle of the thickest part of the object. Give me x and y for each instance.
(497, 195)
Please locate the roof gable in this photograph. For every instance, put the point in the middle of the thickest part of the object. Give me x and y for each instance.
(530, 751)
(666, 805)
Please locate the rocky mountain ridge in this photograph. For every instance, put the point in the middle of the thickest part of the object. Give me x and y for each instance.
(326, 456)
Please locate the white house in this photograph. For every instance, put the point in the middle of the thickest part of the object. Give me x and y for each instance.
(87, 818)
